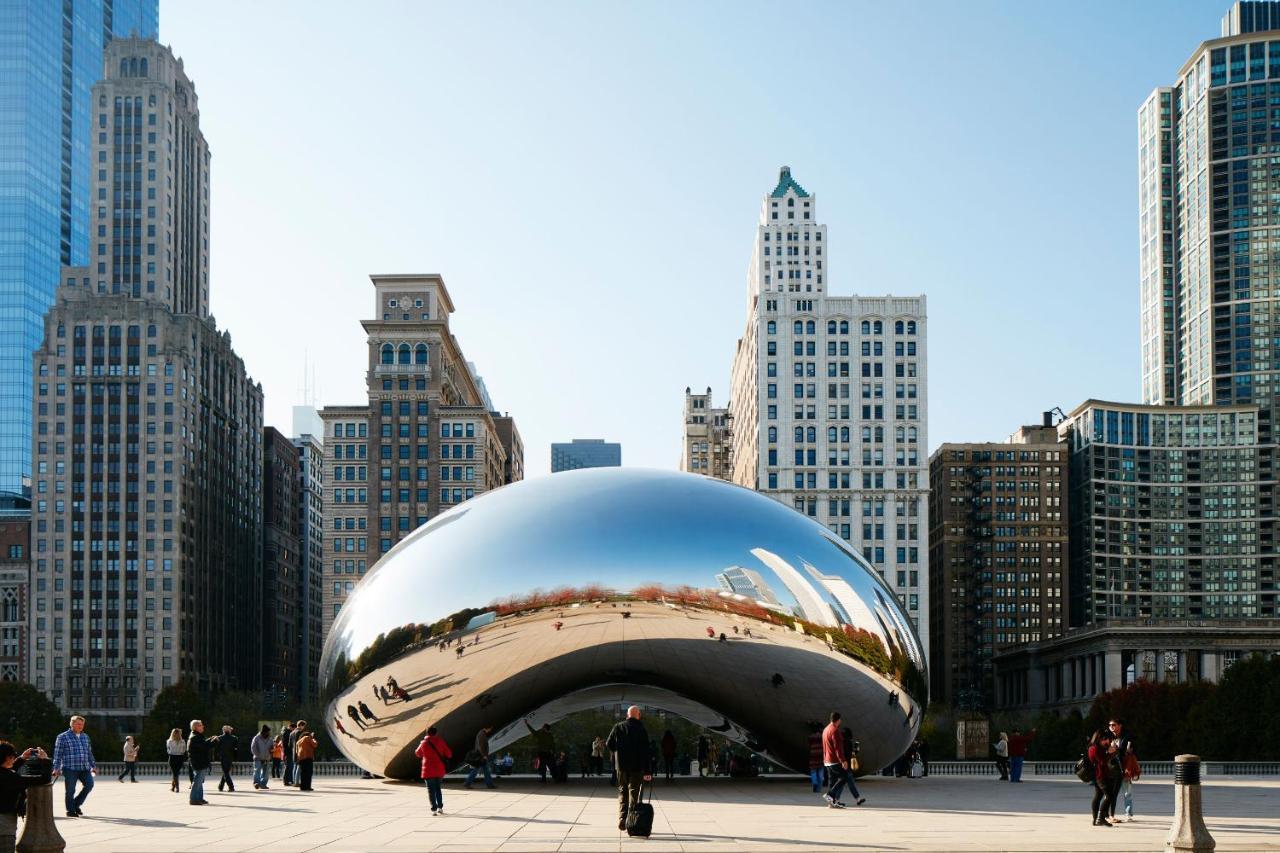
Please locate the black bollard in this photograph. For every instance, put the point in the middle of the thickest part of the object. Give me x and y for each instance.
(1188, 834)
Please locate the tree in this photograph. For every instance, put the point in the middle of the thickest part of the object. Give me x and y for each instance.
(27, 717)
(176, 706)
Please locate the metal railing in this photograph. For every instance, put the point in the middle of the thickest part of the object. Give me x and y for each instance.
(240, 768)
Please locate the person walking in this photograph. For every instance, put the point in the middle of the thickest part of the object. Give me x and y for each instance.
(669, 754)
(1128, 767)
(131, 751)
(545, 744)
(713, 758)
(704, 755)
(478, 758)
(286, 751)
(176, 748)
(365, 712)
(597, 756)
(1018, 752)
(836, 762)
(277, 757)
(12, 787)
(200, 754)
(1001, 747)
(629, 743)
(305, 750)
(226, 744)
(337, 721)
(816, 771)
(260, 751)
(1100, 754)
(73, 761)
(434, 752)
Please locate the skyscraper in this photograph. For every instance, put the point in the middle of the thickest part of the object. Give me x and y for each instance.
(53, 56)
(425, 442)
(146, 496)
(585, 453)
(829, 398)
(308, 438)
(1207, 222)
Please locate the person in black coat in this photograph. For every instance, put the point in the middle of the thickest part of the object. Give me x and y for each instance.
(199, 757)
(12, 787)
(629, 743)
(226, 744)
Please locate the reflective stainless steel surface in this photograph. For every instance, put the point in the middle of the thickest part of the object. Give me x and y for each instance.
(615, 584)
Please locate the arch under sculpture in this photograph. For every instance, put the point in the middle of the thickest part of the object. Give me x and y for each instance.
(615, 585)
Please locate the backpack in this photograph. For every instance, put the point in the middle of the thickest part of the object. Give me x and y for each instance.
(1084, 770)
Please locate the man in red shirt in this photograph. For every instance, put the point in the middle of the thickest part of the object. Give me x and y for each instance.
(1018, 752)
(837, 764)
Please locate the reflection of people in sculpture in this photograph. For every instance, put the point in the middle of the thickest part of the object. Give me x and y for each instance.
(711, 632)
(557, 624)
(337, 721)
(365, 712)
(355, 716)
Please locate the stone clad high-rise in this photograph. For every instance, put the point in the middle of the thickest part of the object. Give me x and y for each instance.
(146, 497)
(424, 442)
(829, 398)
(52, 55)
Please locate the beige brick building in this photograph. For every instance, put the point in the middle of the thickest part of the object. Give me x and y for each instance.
(708, 437)
(425, 441)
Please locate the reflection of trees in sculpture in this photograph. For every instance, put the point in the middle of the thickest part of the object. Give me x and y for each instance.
(396, 642)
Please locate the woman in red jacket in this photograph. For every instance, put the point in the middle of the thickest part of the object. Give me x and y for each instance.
(433, 751)
(1101, 754)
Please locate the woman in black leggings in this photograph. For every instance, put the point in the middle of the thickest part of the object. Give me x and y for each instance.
(1100, 756)
(177, 749)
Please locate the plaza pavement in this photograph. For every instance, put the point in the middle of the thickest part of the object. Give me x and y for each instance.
(933, 814)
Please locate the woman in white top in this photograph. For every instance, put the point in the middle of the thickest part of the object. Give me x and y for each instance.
(1002, 756)
(177, 749)
(130, 759)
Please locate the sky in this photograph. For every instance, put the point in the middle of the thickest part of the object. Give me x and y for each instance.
(587, 178)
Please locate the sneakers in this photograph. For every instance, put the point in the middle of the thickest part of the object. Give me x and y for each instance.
(827, 797)
(836, 804)
(433, 811)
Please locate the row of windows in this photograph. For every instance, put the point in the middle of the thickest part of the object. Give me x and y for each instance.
(869, 327)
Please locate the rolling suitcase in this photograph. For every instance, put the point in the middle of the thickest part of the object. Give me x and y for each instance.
(640, 821)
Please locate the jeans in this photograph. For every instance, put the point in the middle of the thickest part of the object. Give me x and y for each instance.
(815, 776)
(196, 794)
(275, 768)
(435, 794)
(839, 778)
(1015, 769)
(1126, 790)
(260, 772)
(488, 776)
(304, 774)
(129, 767)
(70, 778)
(290, 777)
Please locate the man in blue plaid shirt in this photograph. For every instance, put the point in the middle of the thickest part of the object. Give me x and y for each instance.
(73, 760)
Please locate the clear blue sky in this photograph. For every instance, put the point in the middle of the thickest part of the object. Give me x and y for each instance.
(587, 177)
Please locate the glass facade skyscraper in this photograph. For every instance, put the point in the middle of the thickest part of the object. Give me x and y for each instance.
(50, 58)
(585, 453)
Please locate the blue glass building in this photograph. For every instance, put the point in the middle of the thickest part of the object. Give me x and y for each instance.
(50, 57)
(585, 453)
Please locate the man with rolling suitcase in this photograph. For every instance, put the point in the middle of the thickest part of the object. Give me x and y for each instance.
(629, 743)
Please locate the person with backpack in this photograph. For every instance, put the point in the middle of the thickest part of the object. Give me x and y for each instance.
(1101, 757)
(629, 743)
(434, 751)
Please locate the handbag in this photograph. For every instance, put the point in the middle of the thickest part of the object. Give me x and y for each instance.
(1084, 770)
(853, 764)
(1131, 767)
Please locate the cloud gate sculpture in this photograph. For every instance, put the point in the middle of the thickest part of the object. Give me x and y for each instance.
(609, 585)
